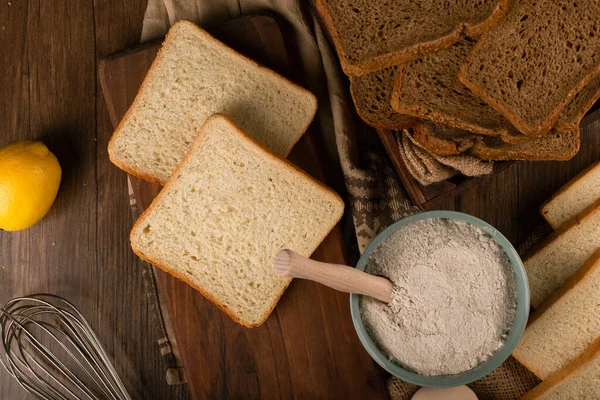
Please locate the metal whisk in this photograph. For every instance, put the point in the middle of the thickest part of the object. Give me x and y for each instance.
(45, 341)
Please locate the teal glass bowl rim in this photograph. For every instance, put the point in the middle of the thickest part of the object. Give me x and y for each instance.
(481, 370)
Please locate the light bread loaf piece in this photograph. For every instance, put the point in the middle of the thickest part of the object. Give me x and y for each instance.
(374, 34)
(560, 255)
(573, 197)
(226, 212)
(193, 77)
(562, 143)
(580, 379)
(565, 325)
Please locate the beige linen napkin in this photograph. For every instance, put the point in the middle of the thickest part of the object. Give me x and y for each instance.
(375, 195)
(428, 168)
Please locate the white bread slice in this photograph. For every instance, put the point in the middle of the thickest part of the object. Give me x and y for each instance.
(565, 325)
(561, 254)
(580, 379)
(226, 212)
(193, 77)
(573, 197)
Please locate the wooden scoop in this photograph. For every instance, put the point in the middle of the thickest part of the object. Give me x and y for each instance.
(289, 264)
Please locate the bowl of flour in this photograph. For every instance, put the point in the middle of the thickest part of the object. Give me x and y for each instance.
(459, 305)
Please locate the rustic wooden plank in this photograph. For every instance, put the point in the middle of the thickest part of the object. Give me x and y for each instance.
(307, 348)
(537, 181)
(511, 199)
(80, 251)
(494, 200)
(129, 324)
(59, 101)
(14, 125)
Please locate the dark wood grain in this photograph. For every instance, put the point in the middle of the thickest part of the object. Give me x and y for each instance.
(430, 197)
(307, 348)
(510, 200)
(50, 51)
(49, 91)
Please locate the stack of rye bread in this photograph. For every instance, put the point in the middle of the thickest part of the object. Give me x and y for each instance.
(214, 127)
(487, 79)
(561, 344)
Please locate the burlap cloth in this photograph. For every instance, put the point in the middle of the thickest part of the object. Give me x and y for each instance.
(374, 193)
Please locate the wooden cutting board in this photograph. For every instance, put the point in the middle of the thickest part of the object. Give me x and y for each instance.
(308, 347)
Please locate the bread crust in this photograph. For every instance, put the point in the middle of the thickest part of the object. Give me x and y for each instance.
(543, 208)
(588, 267)
(111, 142)
(528, 366)
(149, 77)
(485, 152)
(540, 130)
(409, 53)
(284, 163)
(442, 147)
(406, 121)
(564, 125)
(580, 218)
(434, 115)
(409, 122)
(522, 125)
(588, 355)
(507, 135)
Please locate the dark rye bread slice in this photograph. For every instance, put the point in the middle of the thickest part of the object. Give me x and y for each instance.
(429, 88)
(442, 140)
(374, 34)
(372, 95)
(562, 143)
(531, 64)
(556, 145)
(580, 105)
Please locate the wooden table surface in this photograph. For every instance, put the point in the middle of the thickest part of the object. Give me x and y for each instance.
(49, 91)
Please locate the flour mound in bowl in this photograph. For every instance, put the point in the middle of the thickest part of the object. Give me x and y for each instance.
(454, 297)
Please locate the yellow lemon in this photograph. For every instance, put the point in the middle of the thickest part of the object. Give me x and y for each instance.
(29, 180)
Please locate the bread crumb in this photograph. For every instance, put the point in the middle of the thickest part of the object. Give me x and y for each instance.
(53, 244)
(9, 3)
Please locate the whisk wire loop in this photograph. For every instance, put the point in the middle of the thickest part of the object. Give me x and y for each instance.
(52, 351)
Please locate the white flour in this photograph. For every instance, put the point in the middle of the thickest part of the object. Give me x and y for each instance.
(454, 298)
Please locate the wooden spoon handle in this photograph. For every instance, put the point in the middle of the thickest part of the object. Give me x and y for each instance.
(289, 264)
